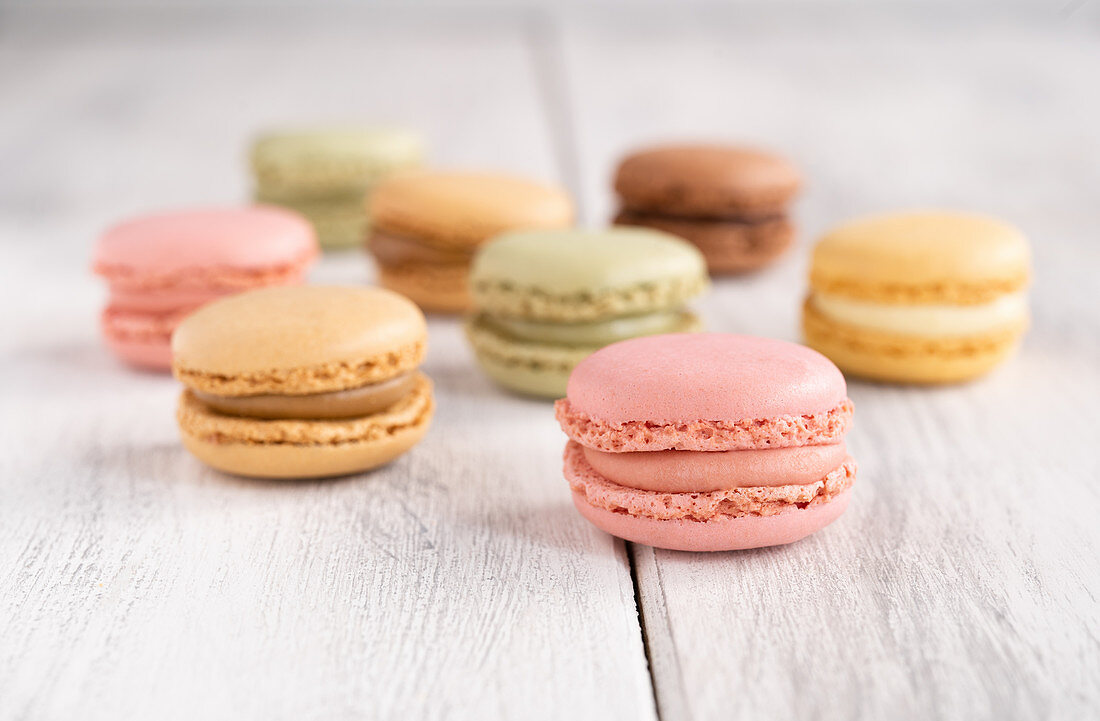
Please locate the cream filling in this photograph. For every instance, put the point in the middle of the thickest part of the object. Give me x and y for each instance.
(595, 333)
(925, 320)
(363, 401)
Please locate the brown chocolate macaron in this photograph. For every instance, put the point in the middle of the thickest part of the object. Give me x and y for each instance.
(729, 201)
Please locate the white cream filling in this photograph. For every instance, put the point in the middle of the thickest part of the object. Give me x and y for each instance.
(925, 320)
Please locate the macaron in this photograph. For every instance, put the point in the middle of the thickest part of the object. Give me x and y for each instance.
(428, 225)
(162, 266)
(918, 297)
(546, 299)
(326, 173)
(707, 442)
(731, 201)
(302, 382)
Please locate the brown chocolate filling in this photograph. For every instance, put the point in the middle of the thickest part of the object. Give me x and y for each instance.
(630, 216)
(363, 401)
(395, 250)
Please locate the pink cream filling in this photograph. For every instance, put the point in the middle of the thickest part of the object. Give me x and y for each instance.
(222, 280)
(702, 471)
(163, 301)
(755, 501)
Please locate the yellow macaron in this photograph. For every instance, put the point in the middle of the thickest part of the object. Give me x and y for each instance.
(918, 297)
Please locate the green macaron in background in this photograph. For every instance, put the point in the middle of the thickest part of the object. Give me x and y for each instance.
(545, 299)
(326, 174)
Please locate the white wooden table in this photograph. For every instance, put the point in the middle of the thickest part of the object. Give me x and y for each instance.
(459, 583)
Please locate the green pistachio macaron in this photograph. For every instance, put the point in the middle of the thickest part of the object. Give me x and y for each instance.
(545, 299)
(326, 174)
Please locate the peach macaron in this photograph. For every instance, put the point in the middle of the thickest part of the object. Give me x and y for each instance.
(163, 266)
(303, 382)
(707, 442)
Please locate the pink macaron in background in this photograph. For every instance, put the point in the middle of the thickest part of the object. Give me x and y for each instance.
(163, 266)
(707, 442)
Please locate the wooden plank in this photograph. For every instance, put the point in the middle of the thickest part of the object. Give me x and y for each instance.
(962, 583)
(135, 583)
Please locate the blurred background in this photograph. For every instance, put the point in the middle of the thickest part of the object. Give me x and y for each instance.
(110, 109)
(115, 108)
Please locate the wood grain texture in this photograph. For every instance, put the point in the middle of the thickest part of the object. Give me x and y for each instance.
(963, 581)
(135, 583)
(458, 582)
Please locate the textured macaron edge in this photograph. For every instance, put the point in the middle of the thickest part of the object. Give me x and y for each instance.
(548, 207)
(221, 277)
(488, 343)
(283, 169)
(705, 435)
(507, 300)
(435, 288)
(643, 184)
(600, 492)
(728, 246)
(947, 291)
(718, 534)
(141, 326)
(197, 420)
(907, 359)
(340, 375)
(502, 350)
(816, 325)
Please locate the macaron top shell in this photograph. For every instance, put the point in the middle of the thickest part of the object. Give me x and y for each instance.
(163, 247)
(706, 180)
(325, 160)
(583, 264)
(298, 340)
(925, 256)
(465, 209)
(703, 377)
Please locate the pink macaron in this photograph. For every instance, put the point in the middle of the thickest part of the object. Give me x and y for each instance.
(707, 442)
(161, 267)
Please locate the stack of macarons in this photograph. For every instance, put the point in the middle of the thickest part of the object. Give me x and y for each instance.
(302, 382)
(918, 297)
(161, 267)
(707, 442)
(326, 174)
(545, 299)
(730, 201)
(426, 227)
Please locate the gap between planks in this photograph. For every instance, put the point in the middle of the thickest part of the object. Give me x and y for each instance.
(548, 62)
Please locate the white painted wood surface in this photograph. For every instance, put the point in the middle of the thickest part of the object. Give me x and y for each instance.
(963, 581)
(459, 583)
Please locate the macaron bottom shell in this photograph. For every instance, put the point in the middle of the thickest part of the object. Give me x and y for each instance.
(145, 353)
(258, 448)
(527, 379)
(302, 461)
(729, 247)
(538, 369)
(897, 358)
(435, 289)
(734, 533)
(731, 519)
(141, 339)
(340, 223)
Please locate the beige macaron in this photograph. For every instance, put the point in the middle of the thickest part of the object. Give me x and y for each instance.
(303, 382)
